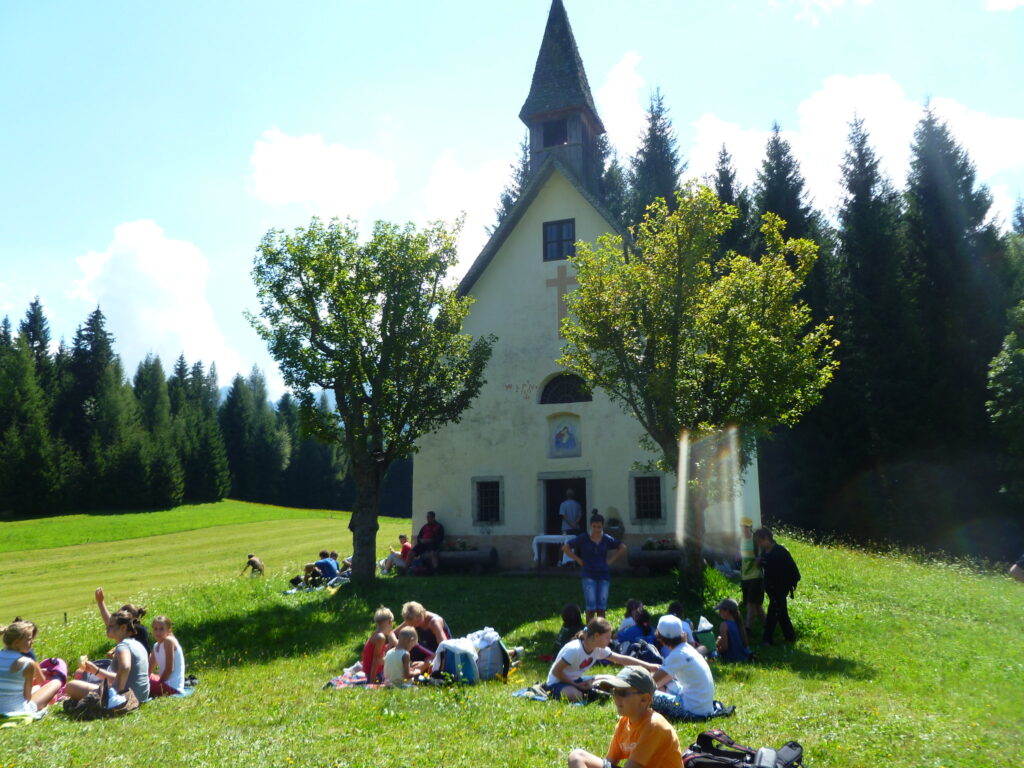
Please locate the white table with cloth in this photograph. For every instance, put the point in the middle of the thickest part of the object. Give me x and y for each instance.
(552, 538)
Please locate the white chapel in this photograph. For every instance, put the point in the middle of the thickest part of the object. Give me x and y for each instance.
(497, 477)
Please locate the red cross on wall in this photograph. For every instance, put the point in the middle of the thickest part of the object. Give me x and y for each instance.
(562, 283)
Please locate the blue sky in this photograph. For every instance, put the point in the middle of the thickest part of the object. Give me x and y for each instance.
(147, 147)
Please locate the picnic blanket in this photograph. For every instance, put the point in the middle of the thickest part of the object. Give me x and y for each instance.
(16, 721)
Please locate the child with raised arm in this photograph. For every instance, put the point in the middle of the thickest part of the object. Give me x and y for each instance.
(642, 738)
(380, 642)
(398, 668)
(166, 660)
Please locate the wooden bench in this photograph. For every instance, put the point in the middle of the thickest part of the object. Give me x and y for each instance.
(475, 561)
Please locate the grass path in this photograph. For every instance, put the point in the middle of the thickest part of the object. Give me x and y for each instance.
(45, 583)
(67, 530)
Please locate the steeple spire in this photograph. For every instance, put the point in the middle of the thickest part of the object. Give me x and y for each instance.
(559, 110)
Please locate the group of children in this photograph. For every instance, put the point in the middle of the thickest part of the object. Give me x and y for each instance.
(397, 656)
(148, 668)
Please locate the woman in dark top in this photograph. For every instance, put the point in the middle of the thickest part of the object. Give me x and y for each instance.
(595, 551)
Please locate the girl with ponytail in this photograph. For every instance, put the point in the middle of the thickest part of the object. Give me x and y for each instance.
(567, 680)
(129, 666)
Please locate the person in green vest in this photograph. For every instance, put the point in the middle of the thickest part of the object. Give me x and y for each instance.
(751, 575)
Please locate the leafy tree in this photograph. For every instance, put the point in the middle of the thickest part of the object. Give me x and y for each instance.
(6, 340)
(237, 418)
(1006, 406)
(375, 323)
(1018, 217)
(656, 167)
(514, 189)
(691, 347)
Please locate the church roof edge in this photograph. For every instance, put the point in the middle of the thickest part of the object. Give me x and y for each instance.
(533, 187)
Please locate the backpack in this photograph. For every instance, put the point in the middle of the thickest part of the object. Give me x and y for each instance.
(458, 664)
(715, 749)
(493, 661)
(93, 707)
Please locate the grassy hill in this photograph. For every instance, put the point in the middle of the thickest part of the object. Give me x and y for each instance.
(899, 662)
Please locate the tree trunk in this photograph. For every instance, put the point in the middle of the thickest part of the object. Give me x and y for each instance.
(364, 523)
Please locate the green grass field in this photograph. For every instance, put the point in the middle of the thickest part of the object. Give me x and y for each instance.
(899, 662)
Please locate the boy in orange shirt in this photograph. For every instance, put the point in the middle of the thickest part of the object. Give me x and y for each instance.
(643, 738)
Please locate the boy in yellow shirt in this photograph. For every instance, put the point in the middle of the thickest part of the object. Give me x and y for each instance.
(643, 738)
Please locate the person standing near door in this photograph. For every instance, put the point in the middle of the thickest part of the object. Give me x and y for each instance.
(571, 514)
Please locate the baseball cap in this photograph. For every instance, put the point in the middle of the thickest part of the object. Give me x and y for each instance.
(630, 677)
(670, 626)
(728, 604)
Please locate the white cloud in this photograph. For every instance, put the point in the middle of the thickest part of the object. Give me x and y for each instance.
(452, 188)
(1003, 5)
(619, 101)
(819, 139)
(152, 290)
(328, 179)
(812, 10)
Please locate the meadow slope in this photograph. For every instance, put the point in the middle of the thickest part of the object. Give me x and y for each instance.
(899, 662)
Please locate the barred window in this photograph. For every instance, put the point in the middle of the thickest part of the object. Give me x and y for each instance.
(565, 388)
(487, 501)
(559, 239)
(647, 498)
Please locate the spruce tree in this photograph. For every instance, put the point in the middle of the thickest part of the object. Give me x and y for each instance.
(25, 445)
(514, 189)
(166, 480)
(36, 330)
(739, 236)
(962, 301)
(657, 166)
(614, 189)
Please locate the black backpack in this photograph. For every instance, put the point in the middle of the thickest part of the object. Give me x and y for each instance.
(715, 749)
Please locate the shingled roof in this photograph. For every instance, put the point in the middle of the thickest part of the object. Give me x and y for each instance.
(559, 80)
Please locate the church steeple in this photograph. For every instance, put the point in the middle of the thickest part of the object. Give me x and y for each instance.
(560, 111)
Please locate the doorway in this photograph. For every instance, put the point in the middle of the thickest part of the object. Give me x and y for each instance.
(554, 495)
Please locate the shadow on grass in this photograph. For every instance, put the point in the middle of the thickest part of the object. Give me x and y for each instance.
(806, 664)
(306, 623)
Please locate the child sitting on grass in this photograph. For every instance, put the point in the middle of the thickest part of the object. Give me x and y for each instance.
(166, 660)
(381, 640)
(23, 687)
(398, 668)
(642, 737)
(732, 641)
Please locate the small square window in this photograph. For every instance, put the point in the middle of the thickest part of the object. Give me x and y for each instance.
(556, 133)
(559, 239)
(647, 498)
(487, 501)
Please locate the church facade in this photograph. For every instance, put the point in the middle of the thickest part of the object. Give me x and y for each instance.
(498, 477)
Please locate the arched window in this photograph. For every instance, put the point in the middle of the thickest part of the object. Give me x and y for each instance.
(565, 388)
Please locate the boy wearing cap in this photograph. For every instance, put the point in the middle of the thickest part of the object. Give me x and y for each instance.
(643, 738)
(751, 577)
(684, 673)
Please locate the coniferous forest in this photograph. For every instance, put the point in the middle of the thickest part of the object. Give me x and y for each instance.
(920, 437)
(77, 434)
